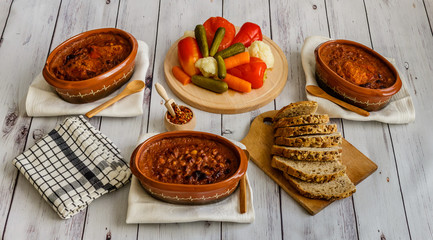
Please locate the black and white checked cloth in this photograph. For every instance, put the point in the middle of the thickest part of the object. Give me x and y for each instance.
(73, 165)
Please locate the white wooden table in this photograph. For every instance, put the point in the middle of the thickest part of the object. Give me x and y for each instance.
(396, 202)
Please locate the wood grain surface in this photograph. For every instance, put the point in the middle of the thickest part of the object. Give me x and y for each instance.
(259, 141)
(395, 202)
(230, 101)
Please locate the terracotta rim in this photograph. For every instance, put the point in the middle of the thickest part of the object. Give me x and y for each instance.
(243, 163)
(393, 89)
(64, 84)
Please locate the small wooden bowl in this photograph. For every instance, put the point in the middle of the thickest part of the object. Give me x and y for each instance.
(179, 127)
(95, 88)
(365, 98)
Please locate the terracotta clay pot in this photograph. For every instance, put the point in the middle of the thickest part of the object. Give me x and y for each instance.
(95, 88)
(189, 193)
(365, 98)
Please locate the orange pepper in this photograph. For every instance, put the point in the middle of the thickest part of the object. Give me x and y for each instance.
(188, 53)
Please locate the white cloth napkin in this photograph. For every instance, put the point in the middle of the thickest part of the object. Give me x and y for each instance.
(42, 100)
(399, 110)
(142, 208)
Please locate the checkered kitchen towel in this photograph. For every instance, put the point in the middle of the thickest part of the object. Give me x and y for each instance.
(73, 165)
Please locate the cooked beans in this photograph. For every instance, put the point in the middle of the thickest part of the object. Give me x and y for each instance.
(188, 160)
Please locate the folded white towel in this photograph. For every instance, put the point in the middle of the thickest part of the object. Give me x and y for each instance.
(42, 100)
(142, 208)
(399, 110)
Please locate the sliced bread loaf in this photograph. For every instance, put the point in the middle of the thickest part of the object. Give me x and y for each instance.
(302, 120)
(295, 109)
(308, 154)
(319, 141)
(305, 130)
(309, 171)
(340, 187)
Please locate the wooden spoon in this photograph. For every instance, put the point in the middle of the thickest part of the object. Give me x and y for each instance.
(318, 92)
(132, 87)
(161, 91)
(243, 189)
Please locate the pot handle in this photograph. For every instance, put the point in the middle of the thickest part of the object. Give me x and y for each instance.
(132, 161)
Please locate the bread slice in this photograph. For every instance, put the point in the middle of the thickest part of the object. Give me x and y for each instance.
(295, 109)
(305, 130)
(309, 171)
(340, 187)
(302, 120)
(318, 141)
(308, 154)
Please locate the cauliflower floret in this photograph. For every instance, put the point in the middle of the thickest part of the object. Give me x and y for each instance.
(262, 50)
(208, 66)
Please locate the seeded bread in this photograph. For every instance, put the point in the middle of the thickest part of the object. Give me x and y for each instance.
(308, 154)
(318, 141)
(309, 171)
(305, 130)
(296, 109)
(340, 187)
(302, 120)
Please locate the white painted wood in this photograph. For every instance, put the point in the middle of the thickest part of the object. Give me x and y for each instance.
(4, 11)
(29, 210)
(394, 203)
(265, 191)
(107, 216)
(176, 17)
(371, 138)
(400, 30)
(293, 23)
(17, 46)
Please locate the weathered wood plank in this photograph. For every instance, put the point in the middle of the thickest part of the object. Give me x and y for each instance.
(175, 17)
(108, 215)
(291, 24)
(19, 45)
(4, 12)
(267, 224)
(29, 211)
(375, 194)
(400, 29)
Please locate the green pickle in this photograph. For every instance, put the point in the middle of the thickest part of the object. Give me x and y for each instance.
(211, 84)
(222, 72)
(231, 51)
(218, 37)
(200, 36)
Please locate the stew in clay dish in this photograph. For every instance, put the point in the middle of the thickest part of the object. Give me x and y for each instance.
(188, 167)
(356, 74)
(188, 160)
(357, 66)
(102, 52)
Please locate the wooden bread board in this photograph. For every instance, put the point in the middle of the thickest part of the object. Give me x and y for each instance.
(230, 101)
(259, 141)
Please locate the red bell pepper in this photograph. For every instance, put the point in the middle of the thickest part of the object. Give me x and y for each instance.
(188, 53)
(253, 72)
(212, 24)
(248, 33)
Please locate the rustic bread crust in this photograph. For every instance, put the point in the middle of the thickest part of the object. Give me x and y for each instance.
(324, 190)
(305, 130)
(302, 120)
(307, 154)
(297, 108)
(292, 168)
(319, 141)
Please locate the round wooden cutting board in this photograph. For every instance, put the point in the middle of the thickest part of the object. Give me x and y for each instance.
(230, 101)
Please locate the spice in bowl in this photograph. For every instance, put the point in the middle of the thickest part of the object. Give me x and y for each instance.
(184, 119)
(183, 114)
